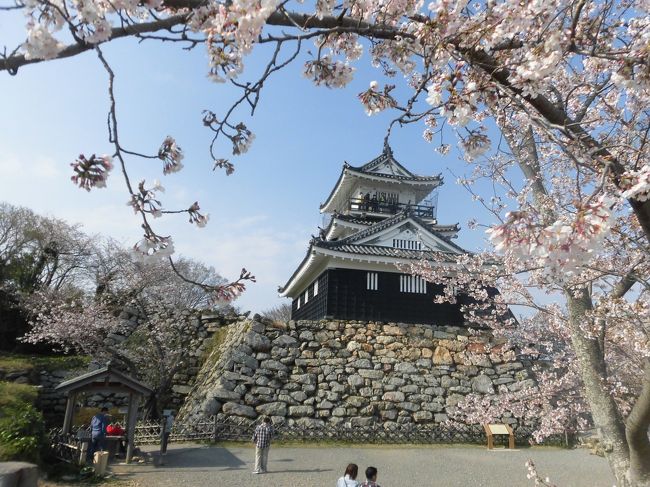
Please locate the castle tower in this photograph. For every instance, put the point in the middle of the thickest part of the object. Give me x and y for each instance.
(380, 218)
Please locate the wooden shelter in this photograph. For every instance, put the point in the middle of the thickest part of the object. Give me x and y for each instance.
(106, 379)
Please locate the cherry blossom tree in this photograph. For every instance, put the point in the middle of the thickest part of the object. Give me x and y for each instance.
(88, 295)
(576, 256)
(37, 253)
(140, 316)
(565, 81)
(153, 345)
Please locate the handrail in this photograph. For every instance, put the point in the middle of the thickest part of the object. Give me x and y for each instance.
(391, 208)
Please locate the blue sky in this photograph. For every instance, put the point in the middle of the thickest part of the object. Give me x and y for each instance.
(262, 216)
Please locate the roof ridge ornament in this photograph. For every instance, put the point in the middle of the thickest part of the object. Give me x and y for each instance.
(387, 149)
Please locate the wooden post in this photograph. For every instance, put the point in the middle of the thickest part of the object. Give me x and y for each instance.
(511, 437)
(131, 420)
(490, 438)
(83, 451)
(69, 413)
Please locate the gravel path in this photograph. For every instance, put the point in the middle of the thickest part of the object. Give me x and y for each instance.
(311, 466)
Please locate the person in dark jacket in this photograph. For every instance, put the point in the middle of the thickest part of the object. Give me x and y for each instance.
(97, 433)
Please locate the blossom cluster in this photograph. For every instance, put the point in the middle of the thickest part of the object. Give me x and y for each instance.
(637, 183)
(475, 145)
(224, 164)
(376, 101)
(153, 246)
(241, 140)
(561, 246)
(327, 72)
(90, 21)
(91, 172)
(201, 220)
(171, 155)
(234, 289)
(232, 29)
(145, 199)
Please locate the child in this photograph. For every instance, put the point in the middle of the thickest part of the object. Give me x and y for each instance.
(371, 478)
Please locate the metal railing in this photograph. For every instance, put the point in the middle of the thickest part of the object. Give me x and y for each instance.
(374, 205)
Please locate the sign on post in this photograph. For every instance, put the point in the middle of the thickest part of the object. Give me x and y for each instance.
(499, 429)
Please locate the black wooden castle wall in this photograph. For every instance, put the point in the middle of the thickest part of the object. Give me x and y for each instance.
(343, 294)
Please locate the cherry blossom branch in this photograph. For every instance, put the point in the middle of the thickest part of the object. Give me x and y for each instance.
(560, 120)
(12, 63)
(226, 292)
(240, 136)
(141, 199)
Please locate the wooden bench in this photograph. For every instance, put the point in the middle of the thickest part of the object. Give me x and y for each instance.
(492, 429)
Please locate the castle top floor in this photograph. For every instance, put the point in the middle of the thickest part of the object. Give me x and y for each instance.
(381, 188)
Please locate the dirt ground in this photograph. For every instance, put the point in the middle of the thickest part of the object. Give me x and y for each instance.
(314, 466)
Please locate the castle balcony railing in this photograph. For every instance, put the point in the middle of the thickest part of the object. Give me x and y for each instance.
(375, 206)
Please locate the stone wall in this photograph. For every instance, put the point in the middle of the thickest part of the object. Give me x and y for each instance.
(310, 373)
(204, 326)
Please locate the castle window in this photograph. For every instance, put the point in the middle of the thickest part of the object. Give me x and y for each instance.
(372, 281)
(315, 287)
(299, 299)
(306, 295)
(412, 284)
(400, 243)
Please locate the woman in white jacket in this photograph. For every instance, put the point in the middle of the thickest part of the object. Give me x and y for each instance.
(349, 478)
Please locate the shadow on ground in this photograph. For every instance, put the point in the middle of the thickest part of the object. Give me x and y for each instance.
(209, 457)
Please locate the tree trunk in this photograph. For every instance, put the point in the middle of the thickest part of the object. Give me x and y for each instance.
(636, 432)
(604, 411)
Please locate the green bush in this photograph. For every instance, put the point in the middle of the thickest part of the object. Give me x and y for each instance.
(22, 431)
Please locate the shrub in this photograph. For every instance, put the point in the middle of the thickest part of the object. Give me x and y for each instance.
(22, 431)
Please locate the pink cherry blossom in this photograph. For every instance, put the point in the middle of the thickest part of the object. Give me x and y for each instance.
(91, 172)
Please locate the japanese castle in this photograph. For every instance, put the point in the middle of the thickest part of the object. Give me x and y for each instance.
(380, 218)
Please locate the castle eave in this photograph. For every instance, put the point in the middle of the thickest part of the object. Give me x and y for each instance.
(339, 197)
(322, 256)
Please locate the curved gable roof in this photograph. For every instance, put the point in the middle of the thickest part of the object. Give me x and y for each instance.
(349, 175)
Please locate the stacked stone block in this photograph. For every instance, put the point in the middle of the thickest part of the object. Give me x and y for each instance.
(313, 373)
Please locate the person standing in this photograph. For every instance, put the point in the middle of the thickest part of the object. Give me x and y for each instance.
(371, 478)
(168, 423)
(349, 478)
(262, 439)
(97, 433)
